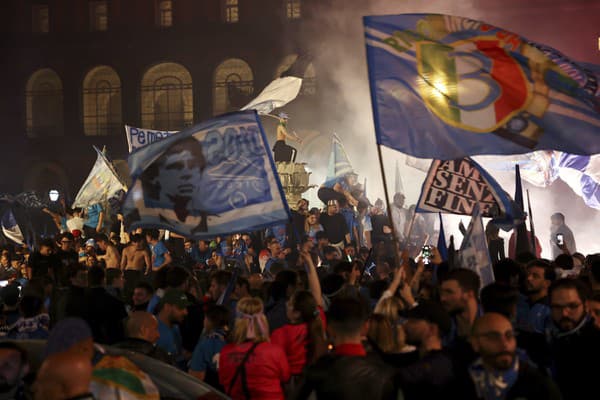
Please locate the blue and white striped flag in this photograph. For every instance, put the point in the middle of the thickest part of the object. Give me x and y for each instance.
(11, 229)
(339, 163)
(215, 178)
(474, 252)
(582, 174)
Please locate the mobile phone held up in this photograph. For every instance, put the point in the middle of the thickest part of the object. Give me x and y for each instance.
(426, 254)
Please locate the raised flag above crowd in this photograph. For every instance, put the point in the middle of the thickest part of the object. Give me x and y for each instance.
(101, 184)
(211, 179)
(277, 94)
(446, 87)
(457, 186)
(339, 164)
(473, 252)
(11, 229)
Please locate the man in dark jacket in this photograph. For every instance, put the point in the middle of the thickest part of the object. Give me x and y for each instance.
(142, 334)
(574, 343)
(500, 373)
(434, 374)
(103, 312)
(348, 373)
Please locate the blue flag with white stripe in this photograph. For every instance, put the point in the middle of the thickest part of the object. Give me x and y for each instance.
(11, 229)
(339, 163)
(581, 173)
(474, 254)
(215, 178)
(445, 87)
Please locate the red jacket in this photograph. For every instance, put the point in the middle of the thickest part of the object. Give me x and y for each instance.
(266, 368)
(293, 339)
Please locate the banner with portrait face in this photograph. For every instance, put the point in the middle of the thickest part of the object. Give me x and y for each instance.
(215, 178)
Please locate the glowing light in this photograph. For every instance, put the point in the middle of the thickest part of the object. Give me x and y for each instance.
(440, 88)
(53, 195)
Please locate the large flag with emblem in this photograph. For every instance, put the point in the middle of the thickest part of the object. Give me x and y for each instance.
(457, 186)
(101, 184)
(446, 87)
(215, 178)
(474, 252)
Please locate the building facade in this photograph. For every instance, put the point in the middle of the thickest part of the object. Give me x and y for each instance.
(77, 71)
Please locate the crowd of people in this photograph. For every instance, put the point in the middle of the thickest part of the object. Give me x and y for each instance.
(327, 305)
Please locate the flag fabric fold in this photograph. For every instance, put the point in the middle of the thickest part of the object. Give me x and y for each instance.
(523, 238)
(277, 94)
(582, 174)
(457, 186)
(339, 163)
(215, 178)
(474, 254)
(11, 229)
(398, 186)
(445, 87)
(441, 245)
(101, 184)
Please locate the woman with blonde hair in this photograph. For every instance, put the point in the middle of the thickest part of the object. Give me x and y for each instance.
(250, 366)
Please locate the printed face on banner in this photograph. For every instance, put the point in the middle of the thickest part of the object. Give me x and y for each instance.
(207, 174)
(173, 180)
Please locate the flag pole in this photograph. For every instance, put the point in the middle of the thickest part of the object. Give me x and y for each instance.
(397, 257)
(531, 227)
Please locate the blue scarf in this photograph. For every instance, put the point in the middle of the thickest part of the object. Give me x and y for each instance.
(493, 385)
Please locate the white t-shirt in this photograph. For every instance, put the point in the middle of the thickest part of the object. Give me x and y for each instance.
(75, 223)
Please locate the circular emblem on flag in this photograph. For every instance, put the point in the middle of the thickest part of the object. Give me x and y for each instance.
(474, 85)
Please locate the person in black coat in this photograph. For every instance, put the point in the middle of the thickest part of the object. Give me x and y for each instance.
(348, 373)
(500, 372)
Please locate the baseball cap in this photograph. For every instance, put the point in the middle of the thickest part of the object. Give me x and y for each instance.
(433, 313)
(90, 242)
(332, 203)
(176, 297)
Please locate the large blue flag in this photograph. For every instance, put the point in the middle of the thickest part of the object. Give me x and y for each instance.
(446, 87)
(215, 178)
(474, 252)
(457, 186)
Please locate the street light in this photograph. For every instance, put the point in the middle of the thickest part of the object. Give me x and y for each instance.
(53, 194)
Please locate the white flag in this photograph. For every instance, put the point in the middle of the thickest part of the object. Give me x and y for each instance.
(101, 184)
(277, 94)
(474, 254)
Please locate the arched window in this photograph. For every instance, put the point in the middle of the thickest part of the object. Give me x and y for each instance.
(167, 97)
(233, 86)
(44, 104)
(102, 102)
(309, 75)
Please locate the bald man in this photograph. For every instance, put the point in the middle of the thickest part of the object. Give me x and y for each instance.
(65, 375)
(500, 373)
(142, 335)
